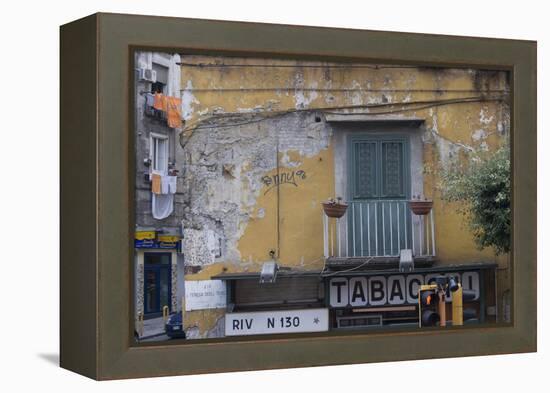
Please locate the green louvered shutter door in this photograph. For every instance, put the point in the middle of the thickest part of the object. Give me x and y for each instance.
(366, 170)
(392, 169)
(378, 219)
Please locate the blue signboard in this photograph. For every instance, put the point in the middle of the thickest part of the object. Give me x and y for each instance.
(153, 244)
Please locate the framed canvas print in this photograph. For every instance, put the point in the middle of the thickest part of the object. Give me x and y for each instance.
(239, 196)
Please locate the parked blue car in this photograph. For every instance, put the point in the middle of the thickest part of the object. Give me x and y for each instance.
(174, 326)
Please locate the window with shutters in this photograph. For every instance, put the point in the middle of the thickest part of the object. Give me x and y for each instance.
(379, 167)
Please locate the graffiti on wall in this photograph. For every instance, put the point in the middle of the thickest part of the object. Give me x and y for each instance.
(292, 177)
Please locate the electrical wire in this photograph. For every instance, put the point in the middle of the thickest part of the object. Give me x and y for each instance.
(351, 89)
(326, 65)
(266, 115)
(347, 270)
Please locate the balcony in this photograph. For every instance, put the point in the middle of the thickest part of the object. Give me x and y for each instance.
(378, 229)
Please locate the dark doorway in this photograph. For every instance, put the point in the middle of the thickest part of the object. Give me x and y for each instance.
(157, 283)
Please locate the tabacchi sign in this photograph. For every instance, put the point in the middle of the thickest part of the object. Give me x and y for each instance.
(389, 290)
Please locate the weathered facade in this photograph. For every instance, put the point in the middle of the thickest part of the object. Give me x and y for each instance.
(158, 262)
(265, 142)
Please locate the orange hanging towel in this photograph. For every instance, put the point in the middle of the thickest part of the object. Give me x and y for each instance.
(160, 102)
(174, 112)
(155, 183)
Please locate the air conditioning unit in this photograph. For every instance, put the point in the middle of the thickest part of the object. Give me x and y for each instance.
(147, 74)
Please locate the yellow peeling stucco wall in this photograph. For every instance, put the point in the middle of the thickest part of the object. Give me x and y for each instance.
(463, 119)
(300, 218)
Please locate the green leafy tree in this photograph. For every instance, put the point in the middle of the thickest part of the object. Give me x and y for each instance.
(482, 188)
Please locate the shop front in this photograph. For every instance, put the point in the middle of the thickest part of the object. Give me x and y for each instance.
(155, 273)
(306, 302)
(386, 299)
(293, 303)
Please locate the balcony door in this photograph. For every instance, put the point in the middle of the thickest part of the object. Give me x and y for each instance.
(379, 220)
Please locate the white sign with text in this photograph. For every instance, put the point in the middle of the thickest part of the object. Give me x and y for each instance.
(205, 294)
(391, 290)
(271, 322)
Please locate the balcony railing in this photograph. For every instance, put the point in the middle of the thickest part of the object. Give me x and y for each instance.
(378, 229)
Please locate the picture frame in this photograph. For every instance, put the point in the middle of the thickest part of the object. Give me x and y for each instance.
(97, 201)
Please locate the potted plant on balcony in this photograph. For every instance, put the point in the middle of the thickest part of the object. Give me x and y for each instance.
(335, 208)
(420, 207)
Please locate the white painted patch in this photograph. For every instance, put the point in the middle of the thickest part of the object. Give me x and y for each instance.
(200, 247)
(357, 95)
(302, 99)
(187, 101)
(479, 135)
(286, 162)
(483, 116)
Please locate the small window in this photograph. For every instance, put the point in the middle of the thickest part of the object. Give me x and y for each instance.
(159, 153)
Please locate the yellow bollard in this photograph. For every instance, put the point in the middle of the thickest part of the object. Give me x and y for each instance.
(458, 312)
(165, 313)
(140, 324)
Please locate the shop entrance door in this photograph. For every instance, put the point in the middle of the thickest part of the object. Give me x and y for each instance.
(157, 283)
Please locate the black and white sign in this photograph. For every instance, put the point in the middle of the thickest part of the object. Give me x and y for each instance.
(205, 294)
(271, 322)
(390, 290)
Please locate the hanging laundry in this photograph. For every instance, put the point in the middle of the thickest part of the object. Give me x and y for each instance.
(162, 206)
(150, 100)
(156, 183)
(174, 112)
(160, 102)
(172, 184)
(164, 186)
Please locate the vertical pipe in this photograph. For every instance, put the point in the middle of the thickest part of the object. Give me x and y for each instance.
(376, 226)
(391, 228)
(368, 227)
(278, 202)
(405, 224)
(325, 234)
(421, 234)
(383, 230)
(428, 237)
(398, 228)
(433, 231)
(361, 226)
(331, 231)
(412, 233)
(339, 236)
(353, 227)
(346, 237)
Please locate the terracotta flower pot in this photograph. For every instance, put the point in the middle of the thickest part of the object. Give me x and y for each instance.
(334, 209)
(421, 208)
